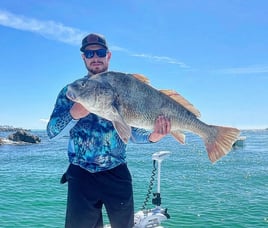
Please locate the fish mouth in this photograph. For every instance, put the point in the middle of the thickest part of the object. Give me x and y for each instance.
(71, 95)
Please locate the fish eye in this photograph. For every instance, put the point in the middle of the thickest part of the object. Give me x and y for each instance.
(83, 84)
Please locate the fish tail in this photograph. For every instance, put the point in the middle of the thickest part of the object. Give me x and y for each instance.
(219, 142)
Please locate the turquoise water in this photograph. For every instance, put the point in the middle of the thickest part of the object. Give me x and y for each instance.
(231, 193)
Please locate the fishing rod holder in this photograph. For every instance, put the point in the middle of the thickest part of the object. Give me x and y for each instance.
(153, 217)
(159, 157)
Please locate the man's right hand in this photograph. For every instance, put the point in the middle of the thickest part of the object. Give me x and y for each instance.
(78, 111)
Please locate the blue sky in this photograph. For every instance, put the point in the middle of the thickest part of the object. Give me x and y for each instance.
(213, 52)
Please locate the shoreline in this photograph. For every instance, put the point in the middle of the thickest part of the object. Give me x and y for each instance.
(5, 128)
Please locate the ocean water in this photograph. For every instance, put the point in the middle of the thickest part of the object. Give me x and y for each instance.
(231, 193)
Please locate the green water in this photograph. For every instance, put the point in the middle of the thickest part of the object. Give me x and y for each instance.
(231, 193)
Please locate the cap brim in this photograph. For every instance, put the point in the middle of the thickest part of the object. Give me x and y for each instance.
(84, 47)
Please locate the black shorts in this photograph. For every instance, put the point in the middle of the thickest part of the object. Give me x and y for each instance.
(88, 192)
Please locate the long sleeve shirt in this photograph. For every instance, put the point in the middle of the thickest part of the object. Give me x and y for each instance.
(93, 141)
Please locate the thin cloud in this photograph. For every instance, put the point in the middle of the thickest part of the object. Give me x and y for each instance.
(117, 48)
(164, 59)
(57, 31)
(254, 69)
(44, 120)
(48, 29)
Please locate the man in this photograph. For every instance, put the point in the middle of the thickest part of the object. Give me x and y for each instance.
(97, 174)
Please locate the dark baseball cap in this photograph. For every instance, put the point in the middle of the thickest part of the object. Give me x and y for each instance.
(93, 38)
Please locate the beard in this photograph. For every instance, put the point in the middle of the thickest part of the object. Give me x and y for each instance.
(96, 70)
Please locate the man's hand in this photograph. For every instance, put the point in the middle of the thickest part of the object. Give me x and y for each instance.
(162, 127)
(78, 111)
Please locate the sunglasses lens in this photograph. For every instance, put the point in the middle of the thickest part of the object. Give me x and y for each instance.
(89, 54)
(100, 53)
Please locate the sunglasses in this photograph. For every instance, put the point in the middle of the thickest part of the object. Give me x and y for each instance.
(90, 53)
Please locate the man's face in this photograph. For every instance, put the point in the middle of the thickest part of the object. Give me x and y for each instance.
(96, 64)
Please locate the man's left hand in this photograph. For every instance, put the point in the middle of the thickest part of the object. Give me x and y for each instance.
(162, 127)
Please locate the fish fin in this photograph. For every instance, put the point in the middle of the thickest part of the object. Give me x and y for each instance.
(182, 101)
(123, 129)
(179, 136)
(220, 142)
(142, 78)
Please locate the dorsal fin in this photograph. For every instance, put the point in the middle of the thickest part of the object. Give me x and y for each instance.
(142, 78)
(182, 101)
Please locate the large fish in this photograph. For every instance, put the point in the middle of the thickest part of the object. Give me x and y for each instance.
(128, 100)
